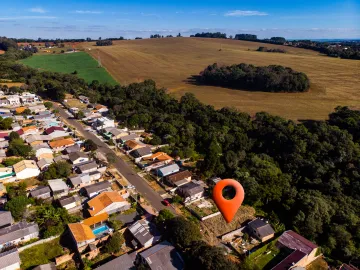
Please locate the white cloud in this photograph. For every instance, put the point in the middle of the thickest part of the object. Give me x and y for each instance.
(37, 10)
(26, 18)
(243, 13)
(87, 12)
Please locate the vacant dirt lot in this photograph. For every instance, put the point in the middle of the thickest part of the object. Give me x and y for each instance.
(171, 61)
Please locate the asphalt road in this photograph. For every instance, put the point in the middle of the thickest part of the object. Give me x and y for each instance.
(141, 186)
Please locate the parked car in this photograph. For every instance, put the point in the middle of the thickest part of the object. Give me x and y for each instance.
(166, 202)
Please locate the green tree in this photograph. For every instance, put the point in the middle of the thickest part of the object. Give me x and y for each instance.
(14, 136)
(60, 169)
(5, 124)
(116, 224)
(156, 140)
(11, 161)
(203, 256)
(80, 115)
(182, 232)
(48, 105)
(111, 158)
(164, 216)
(18, 148)
(115, 243)
(17, 206)
(26, 112)
(90, 145)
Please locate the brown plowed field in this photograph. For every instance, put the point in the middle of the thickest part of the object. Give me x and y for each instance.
(171, 61)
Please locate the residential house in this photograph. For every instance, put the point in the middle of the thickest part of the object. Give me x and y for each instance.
(303, 251)
(6, 174)
(13, 100)
(87, 166)
(20, 110)
(40, 146)
(61, 158)
(10, 260)
(141, 153)
(125, 138)
(26, 169)
(160, 156)
(56, 132)
(123, 262)
(167, 170)
(44, 116)
(162, 256)
(214, 180)
(81, 234)
(95, 189)
(35, 139)
(178, 178)
(133, 145)
(17, 233)
(80, 180)
(44, 153)
(101, 109)
(84, 99)
(72, 149)
(6, 219)
(60, 145)
(58, 188)
(7, 115)
(70, 202)
(78, 157)
(29, 130)
(144, 233)
(261, 229)
(29, 98)
(107, 202)
(37, 108)
(103, 122)
(41, 192)
(48, 266)
(4, 136)
(96, 221)
(114, 133)
(44, 163)
(4, 111)
(190, 192)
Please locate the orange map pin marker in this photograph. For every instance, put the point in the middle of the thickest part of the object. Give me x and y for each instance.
(228, 208)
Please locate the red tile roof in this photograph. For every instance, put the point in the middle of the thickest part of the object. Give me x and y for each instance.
(52, 129)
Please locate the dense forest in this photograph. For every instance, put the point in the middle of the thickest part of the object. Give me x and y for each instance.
(245, 37)
(106, 42)
(248, 77)
(265, 49)
(210, 35)
(305, 175)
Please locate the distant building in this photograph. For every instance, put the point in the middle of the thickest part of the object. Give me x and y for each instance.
(48, 266)
(179, 178)
(70, 202)
(190, 192)
(167, 170)
(162, 256)
(58, 188)
(6, 219)
(95, 189)
(78, 157)
(86, 167)
(103, 122)
(123, 262)
(261, 229)
(41, 192)
(60, 145)
(81, 234)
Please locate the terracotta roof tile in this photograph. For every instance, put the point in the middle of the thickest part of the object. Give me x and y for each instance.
(96, 219)
(61, 143)
(81, 232)
(103, 200)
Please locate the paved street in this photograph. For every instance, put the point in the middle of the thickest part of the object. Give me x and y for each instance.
(141, 186)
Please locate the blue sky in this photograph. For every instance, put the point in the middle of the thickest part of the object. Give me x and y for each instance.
(113, 18)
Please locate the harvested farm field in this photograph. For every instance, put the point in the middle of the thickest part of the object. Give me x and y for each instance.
(172, 61)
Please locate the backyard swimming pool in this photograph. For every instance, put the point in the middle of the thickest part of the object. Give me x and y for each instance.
(101, 229)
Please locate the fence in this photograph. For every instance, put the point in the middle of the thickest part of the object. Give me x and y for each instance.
(38, 243)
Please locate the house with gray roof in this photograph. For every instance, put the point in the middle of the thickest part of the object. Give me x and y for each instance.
(61, 158)
(126, 138)
(41, 192)
(123, 262)
(80, 180)
(72, 149)
(167, 170)
(10, 260)
(260, 229)
(190, 192)
(40, 146)
(144, 233)
(97, 188)
(6, 219)
(141, 153)
(17, 233)
(87, 167)
(44, 163)
(162, 256)
(70, 202)
(78, 157)
(58, 188)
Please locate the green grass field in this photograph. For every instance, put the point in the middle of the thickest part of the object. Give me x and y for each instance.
(84, 64)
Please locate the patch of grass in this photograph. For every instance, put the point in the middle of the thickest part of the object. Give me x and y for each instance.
(171, 61)
(40, 254)
(86, 67)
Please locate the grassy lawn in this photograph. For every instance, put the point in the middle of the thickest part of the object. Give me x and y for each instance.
(84, 64)
(40, 254)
